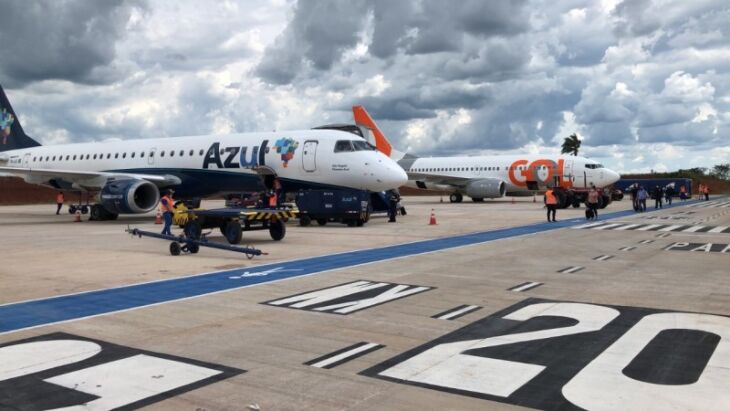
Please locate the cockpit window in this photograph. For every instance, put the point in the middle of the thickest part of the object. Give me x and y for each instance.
(596, 165)
(361, 145)
(343, 145)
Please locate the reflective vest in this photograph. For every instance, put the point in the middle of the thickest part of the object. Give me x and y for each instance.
(272, 201)
(550, 197)
(682, 189)
(59, 198)
(166, 204)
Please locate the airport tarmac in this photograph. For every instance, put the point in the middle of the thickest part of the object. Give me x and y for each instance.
(492, 308)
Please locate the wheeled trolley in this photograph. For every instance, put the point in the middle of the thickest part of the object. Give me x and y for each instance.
(234, 221)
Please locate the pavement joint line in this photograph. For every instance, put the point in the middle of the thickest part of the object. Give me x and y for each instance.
(40, 312)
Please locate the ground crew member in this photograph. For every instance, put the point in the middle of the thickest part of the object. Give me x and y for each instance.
(700, 191)
(682, 192)
(641, 198)
(167, 208)
(59, 202)
(592, 202)
(278, 191)
(551, 202)
(707, 193)
(272, 199)
(668, 193)
(392, 205)
(658, 195)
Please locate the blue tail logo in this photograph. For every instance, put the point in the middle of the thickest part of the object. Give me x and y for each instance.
(6, 121)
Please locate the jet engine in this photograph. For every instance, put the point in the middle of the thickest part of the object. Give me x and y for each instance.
(486, 188)
(129, 196)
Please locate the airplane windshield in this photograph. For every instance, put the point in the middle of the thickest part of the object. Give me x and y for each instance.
(353, 145)
(361, 145)
(343, 145)
(596, 165)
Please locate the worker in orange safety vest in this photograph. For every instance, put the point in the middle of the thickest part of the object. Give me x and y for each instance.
(551, 202)
(167, 208)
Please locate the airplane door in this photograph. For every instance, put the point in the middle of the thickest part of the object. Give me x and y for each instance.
(151, 156)
(309, 155)
(26, 160)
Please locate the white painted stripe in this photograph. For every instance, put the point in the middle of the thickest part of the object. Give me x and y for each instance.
(649, 227)
(458, 312)
(718, 229)
(646, 241)
(671, 227)
(129, 380)
(603, 257)
(693, 229)
(527, 286)
(626, 248)
(589, 225)
(607, 226)
(571, 270)
(342, 356)
(626, 227)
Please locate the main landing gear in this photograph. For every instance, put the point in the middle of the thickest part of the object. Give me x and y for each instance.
(456, 198)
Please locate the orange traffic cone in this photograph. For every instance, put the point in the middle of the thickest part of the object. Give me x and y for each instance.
(158, 217)
(432, 221)
(77, 216)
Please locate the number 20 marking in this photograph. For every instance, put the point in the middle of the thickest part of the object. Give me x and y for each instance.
(600, 385)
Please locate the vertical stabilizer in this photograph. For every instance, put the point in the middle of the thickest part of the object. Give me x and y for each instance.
(363, 119)
(12, 136)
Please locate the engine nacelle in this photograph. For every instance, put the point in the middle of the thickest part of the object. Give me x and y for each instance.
(486, 188)
(129, 196)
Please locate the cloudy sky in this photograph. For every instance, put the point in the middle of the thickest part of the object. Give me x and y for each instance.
(645, 83)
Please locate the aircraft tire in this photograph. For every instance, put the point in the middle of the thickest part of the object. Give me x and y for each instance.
(455, 198)
(305, 220)
(193, 230)
(322, 221)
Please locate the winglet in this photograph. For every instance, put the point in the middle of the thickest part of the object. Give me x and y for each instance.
(362, 118)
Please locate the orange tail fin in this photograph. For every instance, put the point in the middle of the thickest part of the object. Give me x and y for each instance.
(362, 118)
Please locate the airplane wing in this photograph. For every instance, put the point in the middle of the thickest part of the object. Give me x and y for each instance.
(442, 180)
(88, 180)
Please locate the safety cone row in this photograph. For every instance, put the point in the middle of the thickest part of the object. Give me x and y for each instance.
(432, 220)
(158, 217)
(77, 216)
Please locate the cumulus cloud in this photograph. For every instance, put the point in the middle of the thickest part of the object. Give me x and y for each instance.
(631, 77)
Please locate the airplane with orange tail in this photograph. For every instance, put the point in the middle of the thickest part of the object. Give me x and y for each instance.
(494, 176)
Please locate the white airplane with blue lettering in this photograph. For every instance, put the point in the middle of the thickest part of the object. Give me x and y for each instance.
(127, 176)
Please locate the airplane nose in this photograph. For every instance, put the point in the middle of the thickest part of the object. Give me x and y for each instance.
(613, 176)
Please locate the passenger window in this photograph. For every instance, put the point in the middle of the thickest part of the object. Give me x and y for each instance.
(67, 157)
(141, 154)
(132, 154)
(88, 156)
(108, 155)
(200, 153)
(191, 153)
(162, 153)
(152, 153)
(182, 153)
(343, 145)
(124, 155)
(172, 153)
(116, 155)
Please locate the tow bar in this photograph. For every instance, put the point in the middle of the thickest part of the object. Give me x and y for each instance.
(180, 244)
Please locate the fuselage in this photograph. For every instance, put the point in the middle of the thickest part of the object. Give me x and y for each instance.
(218, 164)
(520, 173)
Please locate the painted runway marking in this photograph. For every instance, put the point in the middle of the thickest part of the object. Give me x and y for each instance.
(571, 270)
(684, 228)
(626, 248)
(699, 247)
(525, 286)
(64, 371)
(628, 227)
(603, 257)
(344, 355)
(550, 355)
(663, 235)
(263, 273)
(34, 313)
(457, 312)
(349, 297)
(646, 241)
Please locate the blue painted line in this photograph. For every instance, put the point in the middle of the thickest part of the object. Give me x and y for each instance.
(34, 313)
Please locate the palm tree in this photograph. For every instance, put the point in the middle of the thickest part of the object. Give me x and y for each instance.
(571, 145)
